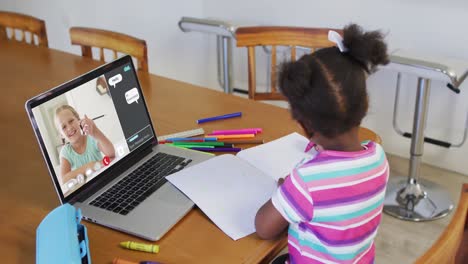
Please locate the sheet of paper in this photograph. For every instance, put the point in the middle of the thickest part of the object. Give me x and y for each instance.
(278, 157)
(228, 190)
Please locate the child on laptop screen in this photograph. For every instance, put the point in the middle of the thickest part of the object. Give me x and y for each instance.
(332, 202)
(82, 154)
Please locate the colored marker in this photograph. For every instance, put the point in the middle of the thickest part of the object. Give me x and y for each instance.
(140, 246)
(124, 261)
(235, 136)
(190, 146)
(247, 141)
(232, 133)
(218, 149)
(209, 143)
(237, 131)
(221, 117)
(193, 139)
(225, 146)
(190, 149)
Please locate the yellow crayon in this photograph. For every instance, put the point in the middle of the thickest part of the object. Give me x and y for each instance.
(140, 246)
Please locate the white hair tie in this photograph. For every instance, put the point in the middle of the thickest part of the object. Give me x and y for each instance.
(335, 37)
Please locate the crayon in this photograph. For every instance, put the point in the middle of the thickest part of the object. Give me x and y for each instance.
(140, 246)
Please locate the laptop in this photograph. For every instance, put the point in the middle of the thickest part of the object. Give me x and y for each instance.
(102, 152)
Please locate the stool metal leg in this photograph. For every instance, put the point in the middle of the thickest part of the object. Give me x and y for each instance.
(411, 198)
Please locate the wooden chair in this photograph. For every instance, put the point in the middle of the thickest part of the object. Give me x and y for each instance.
(23, 24)
(104, 39)
(452, 245)
(312, 38)
(252, 37)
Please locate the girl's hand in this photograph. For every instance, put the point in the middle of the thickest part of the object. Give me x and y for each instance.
(88, 126)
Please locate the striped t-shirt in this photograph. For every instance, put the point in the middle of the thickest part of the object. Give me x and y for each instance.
(333, 203)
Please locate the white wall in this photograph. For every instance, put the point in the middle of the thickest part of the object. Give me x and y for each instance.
(427, 26)
(171, 52)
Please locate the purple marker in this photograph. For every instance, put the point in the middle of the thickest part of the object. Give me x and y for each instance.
(218, 149)
(214, 118)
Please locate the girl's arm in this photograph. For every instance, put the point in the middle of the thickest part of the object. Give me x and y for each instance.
(269, 223)
(104, 144)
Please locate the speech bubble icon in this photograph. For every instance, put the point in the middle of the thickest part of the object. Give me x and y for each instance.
(132, 95)
(115, 79)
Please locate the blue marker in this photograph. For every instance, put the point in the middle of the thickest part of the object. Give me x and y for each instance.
(214, 118)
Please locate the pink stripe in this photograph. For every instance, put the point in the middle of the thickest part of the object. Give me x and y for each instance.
(330, 234)
(350, 154)
(296, 199)
(344, 179)
(348, 202)
(348, 191)
(298, 258)
(369, 255)
(324, 158)
(358, 219)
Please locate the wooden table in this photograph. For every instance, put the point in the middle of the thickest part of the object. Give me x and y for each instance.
(27, 193)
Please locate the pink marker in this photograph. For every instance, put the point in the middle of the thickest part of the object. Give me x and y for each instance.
(237, 131)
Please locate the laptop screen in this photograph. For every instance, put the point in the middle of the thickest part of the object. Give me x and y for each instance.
(88, 125)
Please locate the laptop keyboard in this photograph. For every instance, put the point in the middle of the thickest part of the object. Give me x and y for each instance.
(133, 189)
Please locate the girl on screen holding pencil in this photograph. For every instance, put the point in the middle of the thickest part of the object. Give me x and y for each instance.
(332, 202)
(86, 143)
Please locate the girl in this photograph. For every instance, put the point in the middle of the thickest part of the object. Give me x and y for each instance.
(332, 202)
(84, 149)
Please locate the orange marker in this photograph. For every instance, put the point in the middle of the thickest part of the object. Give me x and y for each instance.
(234, 136)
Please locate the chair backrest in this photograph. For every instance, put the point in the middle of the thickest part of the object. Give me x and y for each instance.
(116, 42)
(23, 25)
(454, 239)
(250, 37)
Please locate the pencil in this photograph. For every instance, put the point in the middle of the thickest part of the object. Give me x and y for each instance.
(97, 117)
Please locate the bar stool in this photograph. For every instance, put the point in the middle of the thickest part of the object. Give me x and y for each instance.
(411, 198)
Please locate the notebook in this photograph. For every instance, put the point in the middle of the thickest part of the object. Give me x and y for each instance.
(230, 189)
(102, 153)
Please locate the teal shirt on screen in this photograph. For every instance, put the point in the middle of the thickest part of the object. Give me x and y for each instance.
(91, 153)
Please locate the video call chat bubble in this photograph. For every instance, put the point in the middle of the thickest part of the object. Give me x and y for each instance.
(115, 79)
(132, 95)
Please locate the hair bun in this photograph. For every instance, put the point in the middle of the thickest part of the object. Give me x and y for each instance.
(293, 75)
(368, 48)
